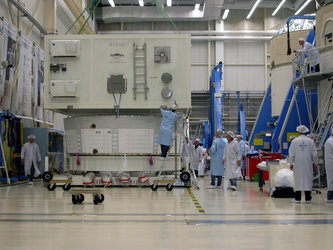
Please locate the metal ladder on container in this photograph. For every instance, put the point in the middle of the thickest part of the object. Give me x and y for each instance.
(4, 162)
(140, 70)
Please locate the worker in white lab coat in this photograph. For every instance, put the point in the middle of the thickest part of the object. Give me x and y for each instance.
(30, 157)
(241, 144)
(303, 159)
(312, 53)
(196, 152)
(232, 160)
(329, 166)
(168, 123)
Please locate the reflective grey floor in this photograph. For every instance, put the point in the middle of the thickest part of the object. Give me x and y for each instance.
(31, 217)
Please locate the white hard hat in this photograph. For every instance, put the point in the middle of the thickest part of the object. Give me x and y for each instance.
(301, 39)
(31, 137)
(231, 134)
(302, 129)
(198, 140)
(219, 132)
(240, 136)
(173, 106)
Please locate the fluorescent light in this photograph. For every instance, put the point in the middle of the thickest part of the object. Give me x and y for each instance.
(141, 3)
(197, 6)
(225, 14)
(279, 7)
(303, 6)
(169, 3)
(253, 9)
(112, 3)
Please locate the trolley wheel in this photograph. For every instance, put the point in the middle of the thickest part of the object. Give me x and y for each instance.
(154, 187)
(101, 198)
(51, 186)
(185, 176)
(169, 187)
(47, 176)
(80, 198)
(74, 199)
(95, 199)
(66, 187)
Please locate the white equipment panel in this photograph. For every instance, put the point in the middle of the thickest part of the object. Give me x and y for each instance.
(83, 72)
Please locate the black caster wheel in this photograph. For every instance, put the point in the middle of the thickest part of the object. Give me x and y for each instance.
(101, 198)
(74, 199)
(47, 176)
(185, 176)
(80, 198)
(154, 187)
(169, 187)
(96, 199)
(66, 187)
(51, 186)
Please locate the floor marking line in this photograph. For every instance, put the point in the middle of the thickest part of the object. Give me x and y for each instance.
(196, 202)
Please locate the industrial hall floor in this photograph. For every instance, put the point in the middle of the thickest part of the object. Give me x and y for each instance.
(31, 217)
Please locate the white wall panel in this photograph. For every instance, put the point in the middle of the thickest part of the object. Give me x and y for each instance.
(247, 78)
(199, 52)
(244, 52)
(199, 81)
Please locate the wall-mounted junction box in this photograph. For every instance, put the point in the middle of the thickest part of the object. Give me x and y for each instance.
(63, 88)
(65, 48)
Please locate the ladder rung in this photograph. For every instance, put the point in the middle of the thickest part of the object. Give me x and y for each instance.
(140, 74)
(139, 65)
(140, 82)
(139, 57)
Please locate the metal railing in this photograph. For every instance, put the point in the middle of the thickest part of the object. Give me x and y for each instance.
(301, 63)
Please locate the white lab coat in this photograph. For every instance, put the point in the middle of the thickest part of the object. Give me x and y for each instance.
(313, 55)
(303, 154)
(329, 163)
(196, 156)
(232, 155)
(30, 153)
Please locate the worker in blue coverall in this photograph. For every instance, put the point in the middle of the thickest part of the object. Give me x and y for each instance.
(216, 165)
(168, 123)
(241, 144)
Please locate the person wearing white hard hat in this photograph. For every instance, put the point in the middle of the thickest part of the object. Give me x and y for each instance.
(232, 160)
(241, 144)
(216, 165)
(311, 52)
(303, 158)
(329, 166)
(30, 157)
(196, 152)
(168, 123)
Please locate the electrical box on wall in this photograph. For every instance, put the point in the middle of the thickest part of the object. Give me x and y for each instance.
(147, 70)
(65, 48)
(63, 88)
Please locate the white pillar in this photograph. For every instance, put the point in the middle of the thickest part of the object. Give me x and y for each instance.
(219, 50)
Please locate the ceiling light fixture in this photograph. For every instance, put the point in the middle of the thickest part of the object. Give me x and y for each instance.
(112, 3)
(225, 14)
(169, 3)
(279, 7)
(303, 6)
(197, 6)
(141, 3)
(253, 9)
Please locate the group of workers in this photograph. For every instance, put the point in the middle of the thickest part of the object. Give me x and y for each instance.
(227, 157)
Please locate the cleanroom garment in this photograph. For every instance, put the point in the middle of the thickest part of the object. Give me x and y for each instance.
(216, 155)
(329, 162)
(231, 156)
(313, 54)
(167, 126)
(241, 144)
(30, 153)
(303, 154)
(196, 156)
